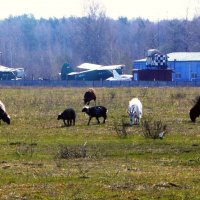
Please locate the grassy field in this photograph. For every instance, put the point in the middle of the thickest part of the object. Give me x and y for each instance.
(42, 159)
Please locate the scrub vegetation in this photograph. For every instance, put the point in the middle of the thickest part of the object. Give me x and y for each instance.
(40, 158)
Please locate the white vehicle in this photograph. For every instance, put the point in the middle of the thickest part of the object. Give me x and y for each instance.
(118, 77)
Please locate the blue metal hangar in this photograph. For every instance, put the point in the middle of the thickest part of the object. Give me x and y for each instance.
(185, 66)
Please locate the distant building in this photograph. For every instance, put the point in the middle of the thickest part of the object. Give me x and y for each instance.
(152, 75)
(153, 68)
(185, 66)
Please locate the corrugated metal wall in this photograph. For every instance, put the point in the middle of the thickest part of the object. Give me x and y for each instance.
(185, 70)
(182, 70)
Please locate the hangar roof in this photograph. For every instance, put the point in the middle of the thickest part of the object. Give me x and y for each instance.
(180, 56)
(184, 56)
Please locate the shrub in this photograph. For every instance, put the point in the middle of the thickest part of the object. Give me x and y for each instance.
(67, 152)
(121, 128)
(178, 95)
(154, 129)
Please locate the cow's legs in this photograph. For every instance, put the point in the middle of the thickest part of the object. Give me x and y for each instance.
(89, 120)
(104, 120)
(98, 120)
(65, 122)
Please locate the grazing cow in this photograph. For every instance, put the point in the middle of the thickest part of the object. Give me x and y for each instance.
(195, 110)
(135, 111)
(3, 115)
(96, 111)
(89, 95)
(68, 115)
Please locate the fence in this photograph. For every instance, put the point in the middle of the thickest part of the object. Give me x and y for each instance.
(59, 83)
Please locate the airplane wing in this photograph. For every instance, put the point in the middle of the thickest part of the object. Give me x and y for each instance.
(6, 69)
(89, 66)
(112, 67)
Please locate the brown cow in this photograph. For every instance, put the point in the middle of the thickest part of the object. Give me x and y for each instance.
(89, 95)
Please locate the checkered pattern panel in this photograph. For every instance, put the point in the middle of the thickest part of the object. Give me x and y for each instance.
(160, 60)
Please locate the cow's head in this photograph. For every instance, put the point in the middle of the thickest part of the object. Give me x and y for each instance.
(85, 109)
(59, 116)
(6, 118)
(132, 115)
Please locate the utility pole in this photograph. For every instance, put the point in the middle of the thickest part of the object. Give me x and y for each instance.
(0, 58)
(158, 32)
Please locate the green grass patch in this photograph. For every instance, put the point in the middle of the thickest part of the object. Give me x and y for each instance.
(40, 158)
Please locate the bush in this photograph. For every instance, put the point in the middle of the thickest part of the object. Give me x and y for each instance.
(154, 129)
(178, 95)
(67, 152)
(121, 128)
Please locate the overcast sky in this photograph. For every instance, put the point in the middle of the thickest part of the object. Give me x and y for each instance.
(153, 10)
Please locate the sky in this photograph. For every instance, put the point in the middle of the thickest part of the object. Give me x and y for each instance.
(154, 10)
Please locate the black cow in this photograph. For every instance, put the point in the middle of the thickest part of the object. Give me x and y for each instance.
(96, 111)
(68, 115)
(89, 95)
(3, 115)
(195, 110)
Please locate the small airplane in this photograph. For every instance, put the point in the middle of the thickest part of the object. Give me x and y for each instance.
(109, 73)
(11, 73)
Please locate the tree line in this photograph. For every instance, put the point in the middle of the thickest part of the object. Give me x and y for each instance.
(42, 46)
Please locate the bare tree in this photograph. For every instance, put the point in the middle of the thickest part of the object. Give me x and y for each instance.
(93, 29)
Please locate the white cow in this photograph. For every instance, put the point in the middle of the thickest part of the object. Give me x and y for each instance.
(135, 111)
